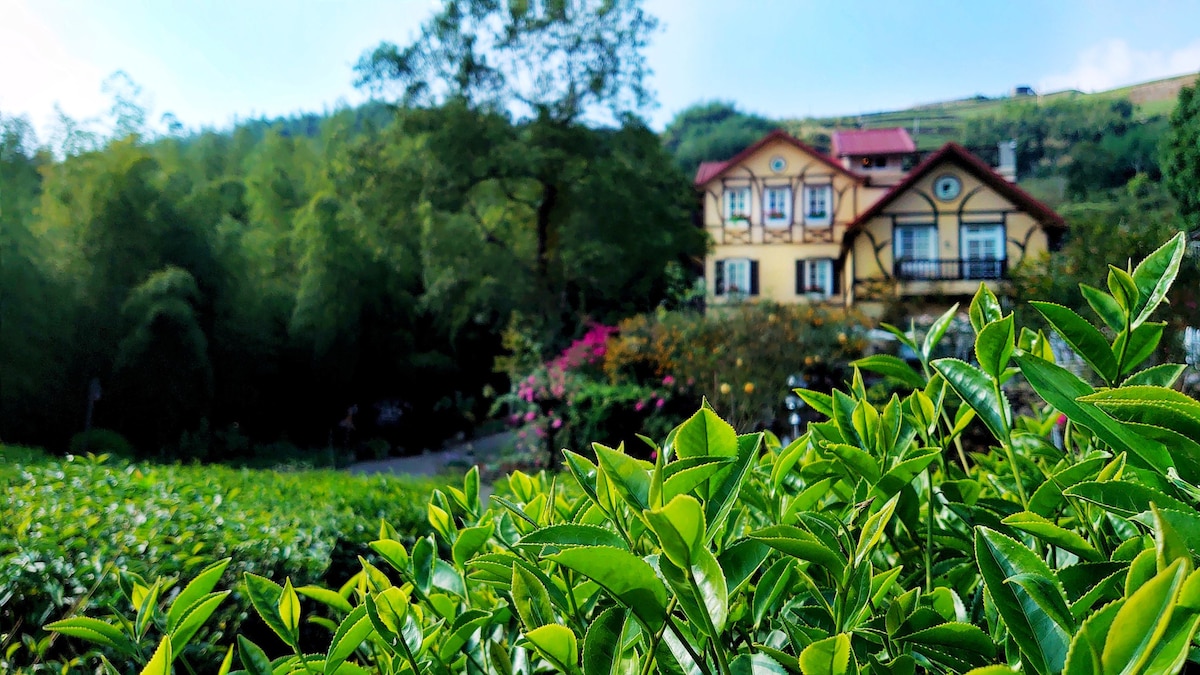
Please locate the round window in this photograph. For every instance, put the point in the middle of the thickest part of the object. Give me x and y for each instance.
(947, 187)
(778, 164)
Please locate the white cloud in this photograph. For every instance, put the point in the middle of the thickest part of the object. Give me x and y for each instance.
(1114, 63)
(37, 70)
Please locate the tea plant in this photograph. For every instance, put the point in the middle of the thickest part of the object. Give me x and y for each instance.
(872, 543)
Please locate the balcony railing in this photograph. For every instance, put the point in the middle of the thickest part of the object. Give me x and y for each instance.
(950, 269)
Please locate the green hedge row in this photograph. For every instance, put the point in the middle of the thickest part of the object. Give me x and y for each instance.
(67, 525)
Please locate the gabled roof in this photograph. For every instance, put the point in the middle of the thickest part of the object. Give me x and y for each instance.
(710, 170)
(956, 153)
(856, 142)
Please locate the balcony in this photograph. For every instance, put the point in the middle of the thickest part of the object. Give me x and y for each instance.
(950, 269)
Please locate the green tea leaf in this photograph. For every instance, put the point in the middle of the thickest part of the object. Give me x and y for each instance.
(326, 597)
(1142, 620)
(1123, 289)
(531, 599)
(984, 309)
(94, 630)
(891, 366)
(994, 346)
(1142, 343)
(740, 561)
(470, 541)
(1155, 274)
(773, 583)
(629, 579)
(755, 664)
(830, 656)
(572, 534)
(265, 596)
(705, 434)
(1042, 640)
(602, 643)
(935, 334)
(1104, 306)
(1162, 375)
(160, 662)
(1122, 498)
(557, 644)
(350, 634)
(873, 530)
(1053, 534)
(393, 552)
(979, 391)
(1084, 338)
(801, 544)
(193, 619)
(680, 528)
(1061, 389)
(630, 477)
(199, 587)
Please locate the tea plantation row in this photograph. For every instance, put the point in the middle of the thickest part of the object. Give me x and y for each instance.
(71, 528)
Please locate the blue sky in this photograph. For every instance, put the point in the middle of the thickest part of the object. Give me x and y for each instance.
(209, 62)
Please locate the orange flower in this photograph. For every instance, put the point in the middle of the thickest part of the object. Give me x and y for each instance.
(748, 388)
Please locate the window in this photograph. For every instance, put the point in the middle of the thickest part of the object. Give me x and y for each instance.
(817, 204)
(736, 276)
(737, 205)
(916, 252)
(983, 251)
(815, 277)
(777, 205)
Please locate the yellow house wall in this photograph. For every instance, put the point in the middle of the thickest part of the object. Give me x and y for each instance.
(777, 259)
(1023, 235)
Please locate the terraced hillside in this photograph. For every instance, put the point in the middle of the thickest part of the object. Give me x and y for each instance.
(932, 124)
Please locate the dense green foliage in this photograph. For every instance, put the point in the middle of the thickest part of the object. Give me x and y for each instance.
(68, 526)
(1181, 155)
(282, 279)
(873, 542)
(711, 132)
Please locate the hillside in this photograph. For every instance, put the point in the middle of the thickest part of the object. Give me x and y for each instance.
(932, 124)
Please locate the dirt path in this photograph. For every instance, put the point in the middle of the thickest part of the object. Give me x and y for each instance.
(443, 462)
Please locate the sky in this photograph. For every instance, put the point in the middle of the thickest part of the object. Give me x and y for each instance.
(210, 62)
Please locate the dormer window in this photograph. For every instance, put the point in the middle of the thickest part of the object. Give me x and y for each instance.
(777, 206)
(737, 205)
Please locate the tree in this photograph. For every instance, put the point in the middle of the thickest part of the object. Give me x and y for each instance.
(1181, 155)
(553, 63)
(712, 131)
(558, 59)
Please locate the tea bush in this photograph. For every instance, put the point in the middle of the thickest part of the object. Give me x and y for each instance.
(872, 543)
(68, 524)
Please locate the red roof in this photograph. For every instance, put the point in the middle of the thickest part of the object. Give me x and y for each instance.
(711, 170)
(708, 170)
(974, 166)
(872, 142)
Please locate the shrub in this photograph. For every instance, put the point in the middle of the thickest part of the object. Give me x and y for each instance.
(740, 357)
(871, 543)
(101, 442)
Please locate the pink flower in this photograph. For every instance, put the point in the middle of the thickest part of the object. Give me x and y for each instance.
(530, 416)
(1062, 420)
(513, 419)
(691, 381)
(556, 423)
(640, 405)
(660, 403)
(653, 455)
(539, 432)
(668, 381)
(521, 434)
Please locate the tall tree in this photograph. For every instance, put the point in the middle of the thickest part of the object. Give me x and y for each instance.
(1181, 155)
(555, 64)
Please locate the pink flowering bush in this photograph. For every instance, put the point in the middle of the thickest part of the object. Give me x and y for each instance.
(569, 402)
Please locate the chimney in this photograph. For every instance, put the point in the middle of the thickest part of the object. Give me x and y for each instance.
(1008, 160)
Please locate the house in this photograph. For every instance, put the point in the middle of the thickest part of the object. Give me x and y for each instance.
(790, 224)
(881, 154)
